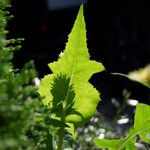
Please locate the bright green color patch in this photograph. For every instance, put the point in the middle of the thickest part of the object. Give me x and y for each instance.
(141, 128)
(142, 122)
(74, 97)
(119, 144)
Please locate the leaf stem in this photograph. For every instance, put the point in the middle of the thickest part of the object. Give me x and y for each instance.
(60, 138)
(61, 130)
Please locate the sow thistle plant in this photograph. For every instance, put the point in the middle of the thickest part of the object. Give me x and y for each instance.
(72, 100)
(67, 92)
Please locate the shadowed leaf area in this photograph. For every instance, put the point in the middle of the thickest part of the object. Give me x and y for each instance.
(62, 93)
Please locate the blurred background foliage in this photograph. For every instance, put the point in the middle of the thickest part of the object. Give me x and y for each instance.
(19, 103)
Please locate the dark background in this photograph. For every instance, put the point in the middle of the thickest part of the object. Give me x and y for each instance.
(118, 32)
(118, 35)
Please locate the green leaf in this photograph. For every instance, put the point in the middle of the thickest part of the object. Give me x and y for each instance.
(61, 90)
(54, 125)
(75, 65)
(119, 144)
(141, 128)
(128, 78)
(72, 131)
(142, 122)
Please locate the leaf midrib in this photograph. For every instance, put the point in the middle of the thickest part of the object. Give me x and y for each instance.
(132, 137)
(73, 68)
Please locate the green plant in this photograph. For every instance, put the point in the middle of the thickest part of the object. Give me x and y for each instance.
(67, 92)
(72, 100)
(18, 98)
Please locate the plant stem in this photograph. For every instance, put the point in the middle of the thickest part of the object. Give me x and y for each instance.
(63, 120)
(60, 138)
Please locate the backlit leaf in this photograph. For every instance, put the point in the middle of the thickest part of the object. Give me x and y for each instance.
(72, 92)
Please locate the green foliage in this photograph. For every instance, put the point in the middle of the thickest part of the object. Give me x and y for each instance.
(141, 128)
(69, 99)
(142, 122)
(19, 105)
(67, 91)
(68, 87)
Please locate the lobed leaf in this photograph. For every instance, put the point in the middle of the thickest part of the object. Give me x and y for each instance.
(74, 94)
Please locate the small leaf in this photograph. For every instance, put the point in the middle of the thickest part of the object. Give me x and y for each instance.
(54, 125)
(63, 94)
(60, 87)
(53, 130)
(72, 131)
(132, 80)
